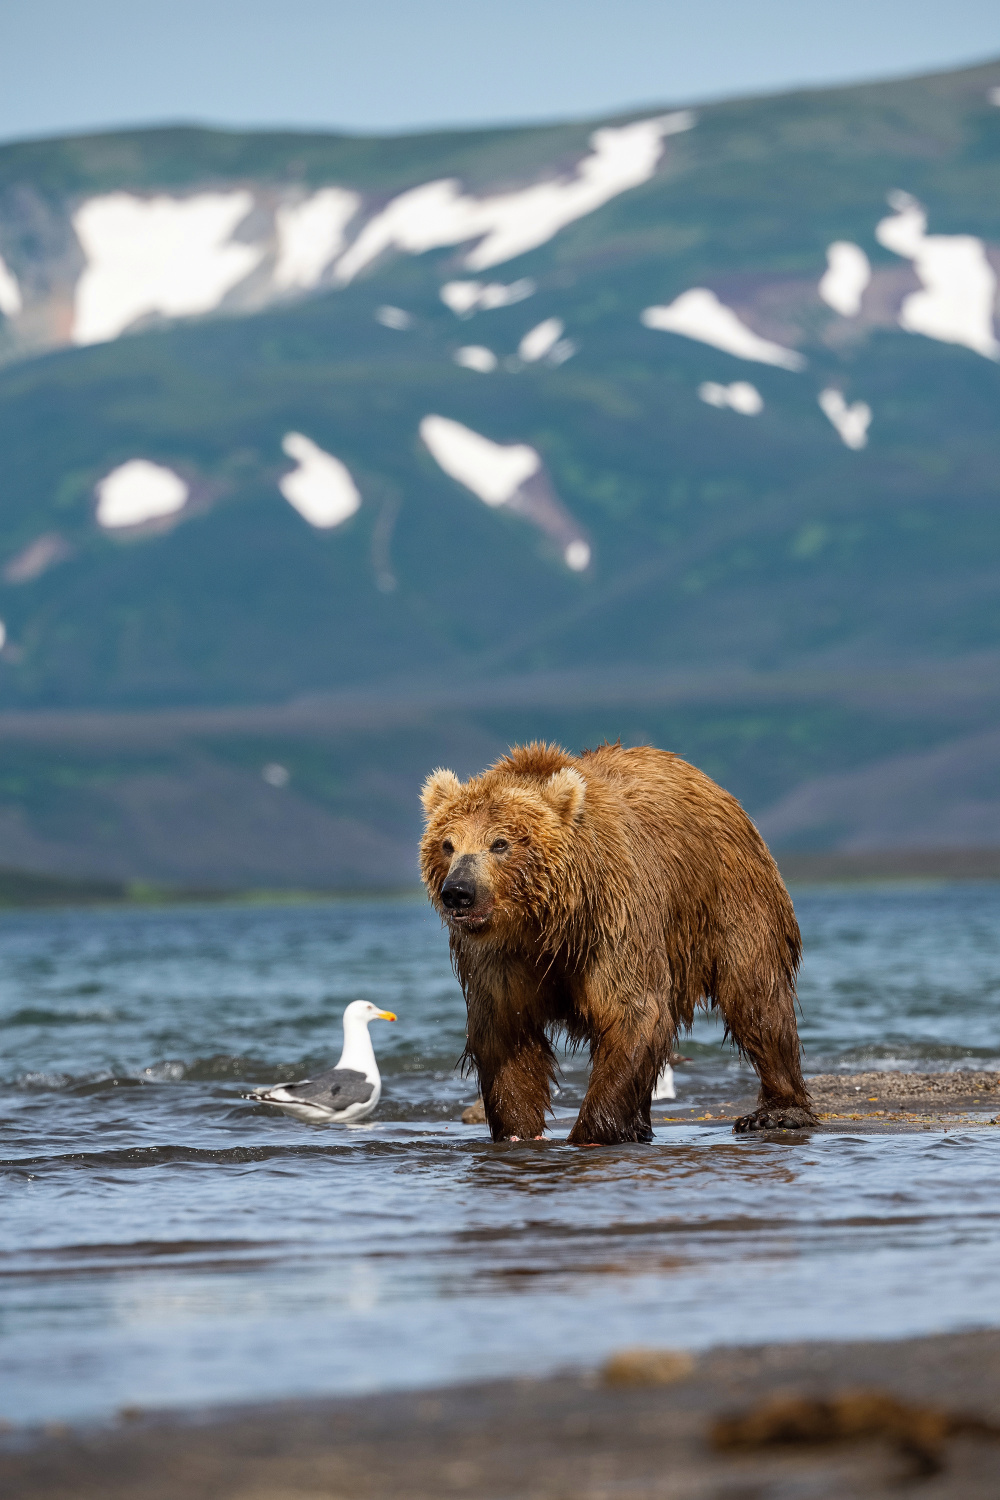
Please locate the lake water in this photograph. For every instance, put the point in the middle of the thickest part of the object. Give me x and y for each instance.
(165, 1241)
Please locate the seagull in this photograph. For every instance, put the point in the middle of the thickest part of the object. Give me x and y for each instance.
(342, 1094)
(664, 1086)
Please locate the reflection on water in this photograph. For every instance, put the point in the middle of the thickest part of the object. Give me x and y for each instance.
(165, 1240)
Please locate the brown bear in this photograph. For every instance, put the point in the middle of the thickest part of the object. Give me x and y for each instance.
(604, 896)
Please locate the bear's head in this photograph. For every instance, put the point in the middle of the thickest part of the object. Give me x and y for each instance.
(494, 848)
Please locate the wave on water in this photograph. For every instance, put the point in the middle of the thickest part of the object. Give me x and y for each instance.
(223, 1067)
(82, 1085)
(908, 1057)
(33, 1015)
(139, 1255)
(345, 1144)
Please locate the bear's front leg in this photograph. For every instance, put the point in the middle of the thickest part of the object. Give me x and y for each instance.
(515, 1083)
(624, 1070)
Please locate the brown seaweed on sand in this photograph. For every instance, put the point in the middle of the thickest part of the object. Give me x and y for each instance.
(918, 1432)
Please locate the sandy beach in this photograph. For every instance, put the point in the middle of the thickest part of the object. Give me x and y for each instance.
(578, 1437)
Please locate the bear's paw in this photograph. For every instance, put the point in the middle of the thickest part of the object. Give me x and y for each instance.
(776, 1117)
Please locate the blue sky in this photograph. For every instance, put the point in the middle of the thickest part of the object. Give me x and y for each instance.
(379, 65)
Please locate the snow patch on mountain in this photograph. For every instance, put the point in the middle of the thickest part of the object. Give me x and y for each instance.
(476, 357)
(492, 471)
(320, 488)
(959, 284)
(173, 256)
(741, 396)
(10, 292)
(507, 474)
(698, 314)
(467, 297)
(176, 256)
(851, 422)
(540, 340)
(847, 275)
(139, 491)
(311, 235)
(393, 317)
(506, 225)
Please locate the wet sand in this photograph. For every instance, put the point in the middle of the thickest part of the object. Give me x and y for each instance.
(571, 1438)
(942, 1099)
(874, 1102)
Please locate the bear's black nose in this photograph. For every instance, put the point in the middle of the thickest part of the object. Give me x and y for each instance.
(458, 895)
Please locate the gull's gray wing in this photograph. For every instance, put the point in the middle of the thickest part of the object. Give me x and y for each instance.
(337, 1088)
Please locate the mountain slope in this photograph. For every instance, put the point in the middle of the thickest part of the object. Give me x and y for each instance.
(819, 506)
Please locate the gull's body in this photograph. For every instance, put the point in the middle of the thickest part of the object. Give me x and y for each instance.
(664, 1087)
(343, 1093)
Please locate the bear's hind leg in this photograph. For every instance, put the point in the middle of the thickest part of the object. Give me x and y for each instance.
(762, 1024)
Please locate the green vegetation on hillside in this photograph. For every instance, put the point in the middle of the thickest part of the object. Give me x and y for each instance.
(721, 542)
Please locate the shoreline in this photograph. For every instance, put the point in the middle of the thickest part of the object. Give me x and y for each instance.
(877, 1102)
(30, 890)
(641, 1428)
(888, 866)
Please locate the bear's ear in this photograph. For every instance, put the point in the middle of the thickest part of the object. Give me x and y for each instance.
(565, 792)
(439, 785)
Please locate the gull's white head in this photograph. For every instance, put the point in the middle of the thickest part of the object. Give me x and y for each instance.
(363, 1011)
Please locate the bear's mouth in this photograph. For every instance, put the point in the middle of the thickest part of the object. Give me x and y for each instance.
(471, 921)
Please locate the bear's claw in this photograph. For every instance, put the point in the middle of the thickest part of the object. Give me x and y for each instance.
(776, 1117)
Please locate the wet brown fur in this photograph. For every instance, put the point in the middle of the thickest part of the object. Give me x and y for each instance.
(633, 888)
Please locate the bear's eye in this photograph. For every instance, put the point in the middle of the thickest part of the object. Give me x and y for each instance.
(499, 846)
(448, 846)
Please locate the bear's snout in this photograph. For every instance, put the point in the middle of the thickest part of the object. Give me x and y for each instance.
(458, 893)
(465, 896)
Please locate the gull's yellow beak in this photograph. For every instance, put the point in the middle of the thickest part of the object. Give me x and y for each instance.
(386, 1015)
